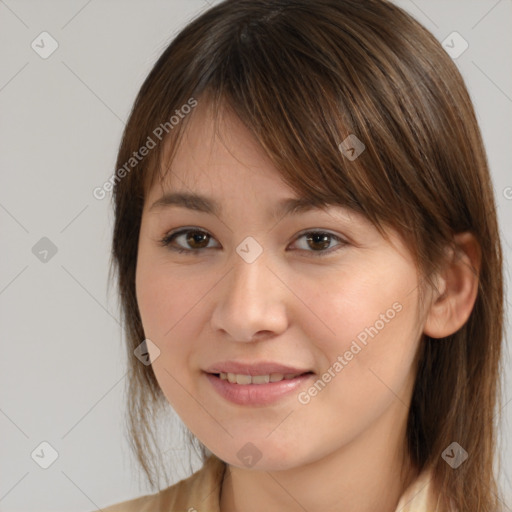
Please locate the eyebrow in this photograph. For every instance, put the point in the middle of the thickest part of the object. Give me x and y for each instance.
(205, 204)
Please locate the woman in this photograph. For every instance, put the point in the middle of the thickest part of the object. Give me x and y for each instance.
(308, 255)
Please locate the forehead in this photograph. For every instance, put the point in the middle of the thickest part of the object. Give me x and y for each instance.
(213, 152)
(217, 159)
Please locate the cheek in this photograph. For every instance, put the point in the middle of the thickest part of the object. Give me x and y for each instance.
(163, 298)
(165, 307)
(171, 307)
(367, 361)
(369, 320)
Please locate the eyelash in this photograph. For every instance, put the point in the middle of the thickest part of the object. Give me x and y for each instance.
(166, 241)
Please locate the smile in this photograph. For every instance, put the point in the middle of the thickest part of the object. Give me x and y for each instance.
(256, 390)
(236, 378)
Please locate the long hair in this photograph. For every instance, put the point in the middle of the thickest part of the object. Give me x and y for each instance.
(303, 75)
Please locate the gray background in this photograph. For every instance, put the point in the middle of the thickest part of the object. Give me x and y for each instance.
(63, 365)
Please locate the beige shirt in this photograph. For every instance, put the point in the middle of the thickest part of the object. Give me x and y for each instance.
(201, 493)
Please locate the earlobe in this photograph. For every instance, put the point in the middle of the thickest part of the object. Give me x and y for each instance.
(457, 289)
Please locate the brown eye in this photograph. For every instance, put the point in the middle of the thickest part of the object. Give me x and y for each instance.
(190, 241)
(197, 237)
(318, 243)
(319, 240)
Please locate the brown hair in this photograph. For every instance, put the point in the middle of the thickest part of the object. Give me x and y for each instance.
(303, 75)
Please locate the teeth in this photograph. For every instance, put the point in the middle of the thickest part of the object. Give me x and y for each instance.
(243, 379)
(260, 379)
(235, 378)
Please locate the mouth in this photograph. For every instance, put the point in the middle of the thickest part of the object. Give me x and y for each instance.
(254, 390)
(242, 379)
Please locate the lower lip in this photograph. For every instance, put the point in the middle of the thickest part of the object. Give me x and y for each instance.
(256, 394)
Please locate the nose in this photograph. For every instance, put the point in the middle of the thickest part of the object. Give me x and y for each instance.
(251, 301)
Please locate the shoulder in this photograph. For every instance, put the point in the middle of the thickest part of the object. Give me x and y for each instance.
(420, 496)
(200, 491)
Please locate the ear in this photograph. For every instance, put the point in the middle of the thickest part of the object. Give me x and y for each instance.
(453, 302)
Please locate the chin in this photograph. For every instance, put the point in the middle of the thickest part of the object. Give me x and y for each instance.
(260, 455)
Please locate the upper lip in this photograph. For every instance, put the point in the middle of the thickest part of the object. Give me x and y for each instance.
(263, 368)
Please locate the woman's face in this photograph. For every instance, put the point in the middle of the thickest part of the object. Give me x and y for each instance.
(316, 292)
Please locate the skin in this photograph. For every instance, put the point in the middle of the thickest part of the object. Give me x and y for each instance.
(343, 450)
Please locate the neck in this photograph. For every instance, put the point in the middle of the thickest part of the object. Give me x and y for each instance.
(369, 473)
